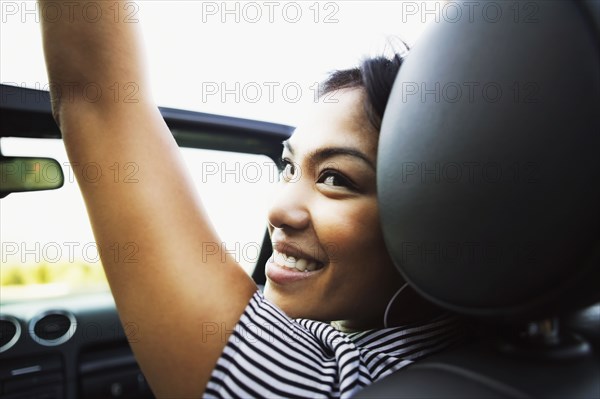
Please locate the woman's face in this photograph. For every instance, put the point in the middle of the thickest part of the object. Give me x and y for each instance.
(324, 220)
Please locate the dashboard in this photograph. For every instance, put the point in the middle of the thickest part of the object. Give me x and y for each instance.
(69, 347)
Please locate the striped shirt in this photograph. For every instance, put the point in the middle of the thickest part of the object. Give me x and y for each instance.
(271, 355)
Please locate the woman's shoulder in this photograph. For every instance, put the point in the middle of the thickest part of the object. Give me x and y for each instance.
(411, 342)
(271, 354)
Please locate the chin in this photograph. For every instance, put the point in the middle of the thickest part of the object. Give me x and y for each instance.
(292, 308)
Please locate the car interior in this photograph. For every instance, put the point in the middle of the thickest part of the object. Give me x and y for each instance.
(489, 208)
(75, 346)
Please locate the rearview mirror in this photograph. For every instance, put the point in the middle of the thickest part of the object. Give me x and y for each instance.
(19, 174)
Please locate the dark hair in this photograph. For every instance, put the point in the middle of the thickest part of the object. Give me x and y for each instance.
(376, 76)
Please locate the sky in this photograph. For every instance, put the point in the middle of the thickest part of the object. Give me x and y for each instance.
(268, 55)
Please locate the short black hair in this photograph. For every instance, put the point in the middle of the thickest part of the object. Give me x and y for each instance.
(375, 76)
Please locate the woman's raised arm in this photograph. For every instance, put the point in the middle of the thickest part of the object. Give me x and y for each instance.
(149, 225)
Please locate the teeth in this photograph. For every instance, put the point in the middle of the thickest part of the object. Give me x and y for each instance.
(292, 262)
(284, 260)
(279, 258)
(301, 264)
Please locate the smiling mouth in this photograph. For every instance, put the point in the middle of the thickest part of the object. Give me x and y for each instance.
(295, 263)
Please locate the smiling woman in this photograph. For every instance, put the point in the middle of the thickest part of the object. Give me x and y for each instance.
(321, 326)
(323, 211)
(330, 269)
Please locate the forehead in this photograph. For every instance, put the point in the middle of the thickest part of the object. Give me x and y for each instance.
(338, 120)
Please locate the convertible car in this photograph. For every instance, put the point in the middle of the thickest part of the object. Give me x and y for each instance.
(489, 206)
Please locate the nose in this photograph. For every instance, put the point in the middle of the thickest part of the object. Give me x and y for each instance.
(289, 208)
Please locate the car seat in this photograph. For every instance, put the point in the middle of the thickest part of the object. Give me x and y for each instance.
(489, 190)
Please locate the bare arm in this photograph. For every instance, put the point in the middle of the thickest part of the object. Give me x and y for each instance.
(168, 293)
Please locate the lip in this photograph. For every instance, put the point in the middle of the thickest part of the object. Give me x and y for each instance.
(282, 275)
(293, 249)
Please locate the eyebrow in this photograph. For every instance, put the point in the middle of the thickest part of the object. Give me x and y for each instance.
(323, 154)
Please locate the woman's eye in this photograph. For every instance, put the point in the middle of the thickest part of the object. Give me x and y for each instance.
(288, 169)
(334, 179)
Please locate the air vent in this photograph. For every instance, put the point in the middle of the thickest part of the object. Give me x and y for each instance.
(52, 328)
(10, 331)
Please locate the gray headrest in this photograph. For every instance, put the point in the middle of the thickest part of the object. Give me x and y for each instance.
(489, 160)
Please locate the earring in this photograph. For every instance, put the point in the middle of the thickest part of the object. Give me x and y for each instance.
(389, 305)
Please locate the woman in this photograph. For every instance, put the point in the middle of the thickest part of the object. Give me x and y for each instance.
(330, 270)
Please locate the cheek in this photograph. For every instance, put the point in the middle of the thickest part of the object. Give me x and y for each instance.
(356, 248)
(351, 230)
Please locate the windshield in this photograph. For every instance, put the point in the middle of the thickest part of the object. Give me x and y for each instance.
(48, 248)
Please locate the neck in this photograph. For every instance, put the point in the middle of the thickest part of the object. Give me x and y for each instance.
(352, 326)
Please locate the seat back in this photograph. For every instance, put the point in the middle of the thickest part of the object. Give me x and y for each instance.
(489, 190)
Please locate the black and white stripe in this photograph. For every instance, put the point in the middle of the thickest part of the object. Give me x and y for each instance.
(269, 355)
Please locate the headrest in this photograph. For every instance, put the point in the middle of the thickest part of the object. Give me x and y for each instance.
(489, 160)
